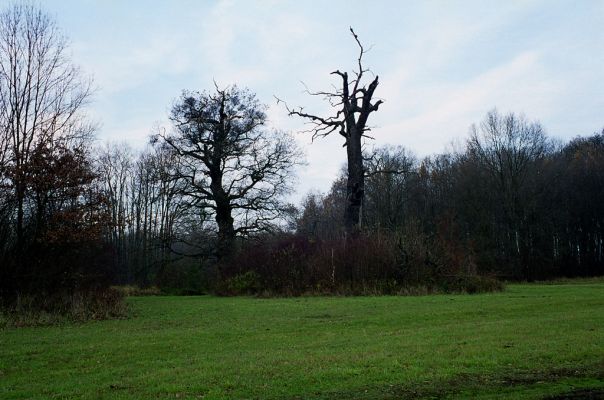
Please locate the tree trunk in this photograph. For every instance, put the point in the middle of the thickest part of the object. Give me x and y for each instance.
(224, 217)
(20, 219)
(355, 188)
(226, 231)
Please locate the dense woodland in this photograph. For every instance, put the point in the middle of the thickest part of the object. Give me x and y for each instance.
(204, 206)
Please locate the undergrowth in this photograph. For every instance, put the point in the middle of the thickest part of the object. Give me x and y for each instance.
(56, 308)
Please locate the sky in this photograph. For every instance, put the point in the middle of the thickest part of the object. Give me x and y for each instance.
(442, 65)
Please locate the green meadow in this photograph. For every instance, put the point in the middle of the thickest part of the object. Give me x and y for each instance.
(531, 341)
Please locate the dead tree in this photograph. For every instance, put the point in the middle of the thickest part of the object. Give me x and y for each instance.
(353, 103)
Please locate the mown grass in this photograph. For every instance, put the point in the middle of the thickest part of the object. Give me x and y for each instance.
(530, 341)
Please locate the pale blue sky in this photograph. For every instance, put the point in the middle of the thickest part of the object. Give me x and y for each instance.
(442, 64)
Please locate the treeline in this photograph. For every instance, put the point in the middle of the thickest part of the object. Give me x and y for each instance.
(146, 208)
(511, 202)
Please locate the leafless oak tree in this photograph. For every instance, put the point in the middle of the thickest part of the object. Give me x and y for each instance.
(235, 167)
(353, 102)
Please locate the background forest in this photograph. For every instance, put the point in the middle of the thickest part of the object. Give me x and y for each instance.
(206, 206)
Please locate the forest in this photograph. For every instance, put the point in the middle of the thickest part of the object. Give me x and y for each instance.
(206, 206)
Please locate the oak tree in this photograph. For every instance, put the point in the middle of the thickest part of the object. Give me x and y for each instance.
(235, 167)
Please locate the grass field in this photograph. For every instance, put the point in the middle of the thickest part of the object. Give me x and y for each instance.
(531, 341)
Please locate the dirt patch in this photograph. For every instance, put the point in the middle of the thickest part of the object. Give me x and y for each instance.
(471, 383)
(579, 394)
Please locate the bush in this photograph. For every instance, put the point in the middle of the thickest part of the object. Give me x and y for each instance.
(369, 264)
(184, 277)
(245, 283)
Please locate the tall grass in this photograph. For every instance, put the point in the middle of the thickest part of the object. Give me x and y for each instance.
(52, 308)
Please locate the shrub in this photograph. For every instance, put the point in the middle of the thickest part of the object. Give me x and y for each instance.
(240, 284)
(369, 264)
(184, 277)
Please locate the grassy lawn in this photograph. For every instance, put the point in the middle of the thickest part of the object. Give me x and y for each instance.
(530, 341)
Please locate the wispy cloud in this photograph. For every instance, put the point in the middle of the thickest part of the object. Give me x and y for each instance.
(447, 110)
(442, 64)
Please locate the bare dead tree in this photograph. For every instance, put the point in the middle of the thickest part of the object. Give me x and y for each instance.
(353, 103)
(41, 96)
(234, 166)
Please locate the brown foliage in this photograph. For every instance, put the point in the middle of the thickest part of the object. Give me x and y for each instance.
(365, 264)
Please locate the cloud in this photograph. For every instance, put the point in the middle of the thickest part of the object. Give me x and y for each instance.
(520, 84)
(442, 65)
(122, 67)
(251, 51)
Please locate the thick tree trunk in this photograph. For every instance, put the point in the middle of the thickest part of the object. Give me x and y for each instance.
(224, 217)
(226, 231)
(355, 188)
